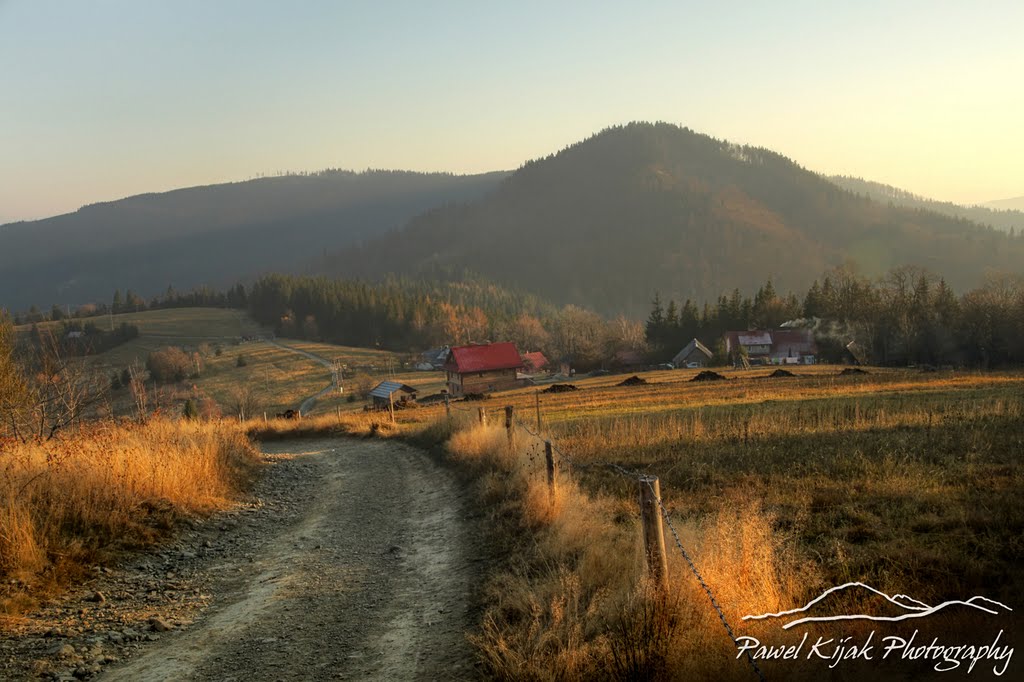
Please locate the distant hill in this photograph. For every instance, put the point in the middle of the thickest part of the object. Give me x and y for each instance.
(214, 234)
(999, 217)
(1016, 204)
(653, 207)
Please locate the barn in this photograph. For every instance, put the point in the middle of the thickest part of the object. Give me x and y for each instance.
(695, 354)
(387, 393)
(482, 368)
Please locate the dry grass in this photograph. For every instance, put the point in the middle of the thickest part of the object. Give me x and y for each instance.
(67, 504)
(779, 488)
(574, 603)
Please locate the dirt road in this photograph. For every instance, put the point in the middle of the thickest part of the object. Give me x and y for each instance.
(308, 404)
(356, 562)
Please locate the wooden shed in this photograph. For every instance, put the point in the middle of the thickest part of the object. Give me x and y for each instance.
(482, 368)
(695, 354)
(387, 392)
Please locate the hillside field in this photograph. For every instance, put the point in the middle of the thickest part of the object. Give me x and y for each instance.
(277, 378)
(780, 488)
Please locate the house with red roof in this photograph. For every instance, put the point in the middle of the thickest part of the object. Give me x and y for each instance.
(482, 368)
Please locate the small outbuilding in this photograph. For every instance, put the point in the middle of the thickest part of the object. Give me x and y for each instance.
(695, 354)
(387, 393)
(534, 362)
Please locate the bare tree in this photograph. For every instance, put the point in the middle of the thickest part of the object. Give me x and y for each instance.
(244, 401)
(53, 391)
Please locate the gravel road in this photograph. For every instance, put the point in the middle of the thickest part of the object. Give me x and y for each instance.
(355, 560)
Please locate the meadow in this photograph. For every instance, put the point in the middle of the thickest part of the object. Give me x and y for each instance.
(907, 480)
(269, 379)
(777, 487)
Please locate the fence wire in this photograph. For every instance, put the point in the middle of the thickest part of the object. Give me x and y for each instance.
(700, 579)
(566, 459)
(633, 474)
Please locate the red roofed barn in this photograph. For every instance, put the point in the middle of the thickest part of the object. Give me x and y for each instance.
(482, 368)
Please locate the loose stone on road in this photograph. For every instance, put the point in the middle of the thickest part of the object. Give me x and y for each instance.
(365, 573)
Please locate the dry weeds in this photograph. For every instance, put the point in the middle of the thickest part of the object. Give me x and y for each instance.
(67, 504)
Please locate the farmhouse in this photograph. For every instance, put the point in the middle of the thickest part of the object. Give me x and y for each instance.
(392, 392)
(695, 354)
(772, 347)
(482, 368)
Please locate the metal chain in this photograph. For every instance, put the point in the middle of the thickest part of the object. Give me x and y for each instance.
(664, 513)
(700, 579)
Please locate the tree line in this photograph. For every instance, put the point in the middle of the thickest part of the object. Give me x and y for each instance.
(908, 316)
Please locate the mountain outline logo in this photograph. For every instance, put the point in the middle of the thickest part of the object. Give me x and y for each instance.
(914, 608)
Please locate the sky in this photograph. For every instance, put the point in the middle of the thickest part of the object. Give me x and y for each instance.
(105, 99)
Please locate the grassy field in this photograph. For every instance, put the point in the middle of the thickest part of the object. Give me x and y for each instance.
(274, 379)
(909, 481)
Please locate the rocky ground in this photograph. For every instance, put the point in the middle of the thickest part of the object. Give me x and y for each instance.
(354, 559)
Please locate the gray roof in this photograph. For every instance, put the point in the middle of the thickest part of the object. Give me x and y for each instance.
(689, 349)
(386, 388)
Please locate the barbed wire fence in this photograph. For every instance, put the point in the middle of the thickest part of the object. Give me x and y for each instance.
(570, 464)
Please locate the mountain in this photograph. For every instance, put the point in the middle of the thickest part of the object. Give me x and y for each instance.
(1016, 204)
(1002, 218)
(214, 234)
(647, 208)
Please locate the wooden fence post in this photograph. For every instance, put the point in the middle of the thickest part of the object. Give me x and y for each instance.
(482, 416)
(391, 406)
(538, 410)
(448, 410)
(508, 424)
(654, 533)
(550, 459)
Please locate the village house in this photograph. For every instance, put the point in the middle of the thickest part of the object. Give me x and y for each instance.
(772, 347)
(482, 368)
(695, 354)
(388, 393)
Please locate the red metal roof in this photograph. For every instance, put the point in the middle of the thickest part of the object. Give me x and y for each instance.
(483, 358)
(535, 360)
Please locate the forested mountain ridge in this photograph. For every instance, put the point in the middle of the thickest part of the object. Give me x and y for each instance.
(1003, 219)
(212, 234)
(653, 207)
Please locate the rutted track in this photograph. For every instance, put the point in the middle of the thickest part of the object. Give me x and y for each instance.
(370, 581)
(353, 559)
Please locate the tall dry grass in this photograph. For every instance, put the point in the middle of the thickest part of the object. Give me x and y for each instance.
(67, 503)
(905, 481)
(574, 602)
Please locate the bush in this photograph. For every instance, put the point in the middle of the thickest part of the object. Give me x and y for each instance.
(190, 410)
(168, 364)
(242, 361)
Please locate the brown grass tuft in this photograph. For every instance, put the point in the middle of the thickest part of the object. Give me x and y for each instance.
(66, 504)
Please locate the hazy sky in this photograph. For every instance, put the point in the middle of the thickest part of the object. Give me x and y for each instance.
(104, 99)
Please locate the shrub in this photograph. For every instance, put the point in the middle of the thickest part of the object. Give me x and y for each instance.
(168, 364)
(241, 361)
